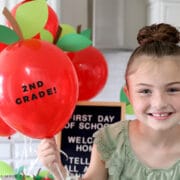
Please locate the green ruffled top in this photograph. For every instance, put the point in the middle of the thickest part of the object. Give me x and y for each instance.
(114, 146)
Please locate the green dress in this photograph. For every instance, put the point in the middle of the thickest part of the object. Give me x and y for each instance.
(113, 144)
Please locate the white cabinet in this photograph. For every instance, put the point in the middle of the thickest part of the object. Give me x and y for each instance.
(116, 23)
(108, 23)
(167, 11)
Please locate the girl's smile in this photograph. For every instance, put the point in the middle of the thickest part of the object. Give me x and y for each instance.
(160, 116)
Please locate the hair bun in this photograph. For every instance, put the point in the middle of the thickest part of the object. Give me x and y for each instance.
(158, 32)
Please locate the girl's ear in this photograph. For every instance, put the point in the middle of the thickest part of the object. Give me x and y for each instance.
(126, 91)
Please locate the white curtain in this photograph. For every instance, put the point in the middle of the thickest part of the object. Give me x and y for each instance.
(55, 4)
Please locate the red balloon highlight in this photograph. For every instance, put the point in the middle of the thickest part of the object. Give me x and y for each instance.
(38, 88)
(92, 71)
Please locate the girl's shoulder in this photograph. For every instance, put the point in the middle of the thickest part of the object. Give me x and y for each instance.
(113, 131)
(114, 147)
(111, 137)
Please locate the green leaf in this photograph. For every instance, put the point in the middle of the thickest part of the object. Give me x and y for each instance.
(73, 42)
(123, 97)
(67, 29)
(19, 177)
(129, 109)
(7, 35)
(32, 17)
(46, 35)
(87, 33)
(20, 170)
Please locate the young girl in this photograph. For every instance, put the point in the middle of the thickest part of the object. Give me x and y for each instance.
(147, 148)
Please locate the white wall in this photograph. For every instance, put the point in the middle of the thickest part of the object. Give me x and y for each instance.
(74, 12)
(166, 11)
(135, 18)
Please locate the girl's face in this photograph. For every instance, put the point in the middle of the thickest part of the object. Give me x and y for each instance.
(154, 91)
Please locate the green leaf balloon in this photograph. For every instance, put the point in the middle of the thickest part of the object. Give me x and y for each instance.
(6, 169)
(7, 35)
(129, 109)
(87, 33)
(123, 97)
(67, 29)
(32, 17)
(73, 42)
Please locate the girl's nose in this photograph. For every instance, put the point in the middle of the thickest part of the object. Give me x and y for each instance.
(159, 101)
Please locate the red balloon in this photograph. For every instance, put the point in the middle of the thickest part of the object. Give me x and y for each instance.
(2, 46)
(38, 88)
(92, 71)
(52, 21)
(5, 130)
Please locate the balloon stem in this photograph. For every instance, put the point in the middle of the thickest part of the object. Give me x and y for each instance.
(58, 34)
(79, 29)
(13, 23)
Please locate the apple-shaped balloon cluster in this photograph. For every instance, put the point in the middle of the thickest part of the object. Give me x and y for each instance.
(45, 68)
(85, 58)
(89, 62)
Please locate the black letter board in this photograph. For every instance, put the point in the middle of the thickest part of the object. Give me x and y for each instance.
(76, 137)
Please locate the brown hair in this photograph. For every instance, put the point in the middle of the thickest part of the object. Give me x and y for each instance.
(156, 40)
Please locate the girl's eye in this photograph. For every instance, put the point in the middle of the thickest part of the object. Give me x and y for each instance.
(173, 90)
(145, 91)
